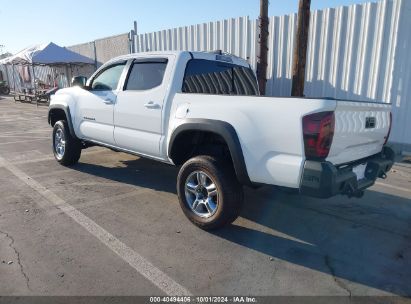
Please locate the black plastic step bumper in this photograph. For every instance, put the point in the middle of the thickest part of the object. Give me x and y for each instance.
(323, 179)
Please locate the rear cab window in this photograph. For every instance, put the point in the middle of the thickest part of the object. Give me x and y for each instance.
(220, 78)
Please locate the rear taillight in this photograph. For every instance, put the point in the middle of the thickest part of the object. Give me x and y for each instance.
(389, 130)
(318, 130)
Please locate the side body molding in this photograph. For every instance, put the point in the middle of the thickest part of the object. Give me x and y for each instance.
(227, 132)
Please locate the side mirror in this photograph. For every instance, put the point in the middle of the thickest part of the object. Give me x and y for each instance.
(79, 81)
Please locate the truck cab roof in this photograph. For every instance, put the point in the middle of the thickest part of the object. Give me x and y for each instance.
(217, 55)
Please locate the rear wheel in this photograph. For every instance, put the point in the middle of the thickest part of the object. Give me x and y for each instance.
(209, 192)
(66, 148)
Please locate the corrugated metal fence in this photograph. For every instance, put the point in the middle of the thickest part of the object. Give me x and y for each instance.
(355, 52)
(358, 52)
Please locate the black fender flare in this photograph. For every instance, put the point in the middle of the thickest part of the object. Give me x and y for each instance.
(66, 110)
(227, 132)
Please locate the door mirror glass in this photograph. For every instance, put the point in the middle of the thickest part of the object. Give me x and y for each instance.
(79, 81)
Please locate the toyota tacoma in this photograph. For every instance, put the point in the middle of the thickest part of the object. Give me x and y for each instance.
(202, 111)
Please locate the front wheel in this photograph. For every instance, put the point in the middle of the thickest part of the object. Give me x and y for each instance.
(209, 192)
(66, 148)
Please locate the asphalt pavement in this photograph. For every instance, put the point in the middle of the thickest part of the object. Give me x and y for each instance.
(111, 225)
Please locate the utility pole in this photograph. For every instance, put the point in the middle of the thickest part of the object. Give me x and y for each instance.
(132, 38)
(300, 49)
(263, 46)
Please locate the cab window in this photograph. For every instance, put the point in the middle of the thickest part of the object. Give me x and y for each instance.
(146, 75)
(107, 80)
(220, 78)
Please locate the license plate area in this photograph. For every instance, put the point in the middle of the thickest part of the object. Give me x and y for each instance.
(359, 171)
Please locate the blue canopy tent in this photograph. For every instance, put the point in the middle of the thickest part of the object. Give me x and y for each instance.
(43, 60)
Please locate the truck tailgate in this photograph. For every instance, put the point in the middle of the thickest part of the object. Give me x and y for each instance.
(360, 130)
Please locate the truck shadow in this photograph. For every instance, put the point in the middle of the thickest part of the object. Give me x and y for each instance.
(365, 241)
(140, 172)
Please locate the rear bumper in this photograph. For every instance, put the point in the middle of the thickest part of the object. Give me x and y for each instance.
(323, 179)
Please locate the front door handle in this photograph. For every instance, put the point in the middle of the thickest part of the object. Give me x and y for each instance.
(152, 105)
(108, 101)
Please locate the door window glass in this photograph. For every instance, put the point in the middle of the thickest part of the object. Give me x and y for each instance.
(146, 75)
(108, 79)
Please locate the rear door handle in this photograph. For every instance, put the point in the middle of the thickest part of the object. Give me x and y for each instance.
(152, 105)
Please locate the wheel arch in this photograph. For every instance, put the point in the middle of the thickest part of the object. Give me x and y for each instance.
(56, 112)
(221, 128)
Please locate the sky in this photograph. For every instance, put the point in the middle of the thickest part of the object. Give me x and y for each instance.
(67, 22)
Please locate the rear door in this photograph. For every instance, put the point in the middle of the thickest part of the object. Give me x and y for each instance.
(96, 106)
(360, 130)
(138, 110)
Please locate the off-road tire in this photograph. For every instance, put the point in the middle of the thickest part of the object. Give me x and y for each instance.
(230, 193)
(72, 147)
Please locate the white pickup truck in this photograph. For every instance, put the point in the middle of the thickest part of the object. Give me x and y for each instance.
(202, 111)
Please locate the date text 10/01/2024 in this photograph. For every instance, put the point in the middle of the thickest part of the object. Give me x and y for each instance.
(234, 299)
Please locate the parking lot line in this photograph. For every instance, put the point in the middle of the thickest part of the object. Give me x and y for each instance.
(24, 136)
(27, 132)
(393, 187)
(50, 157)
(22, 141)
(135, 260)
(100, 201)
